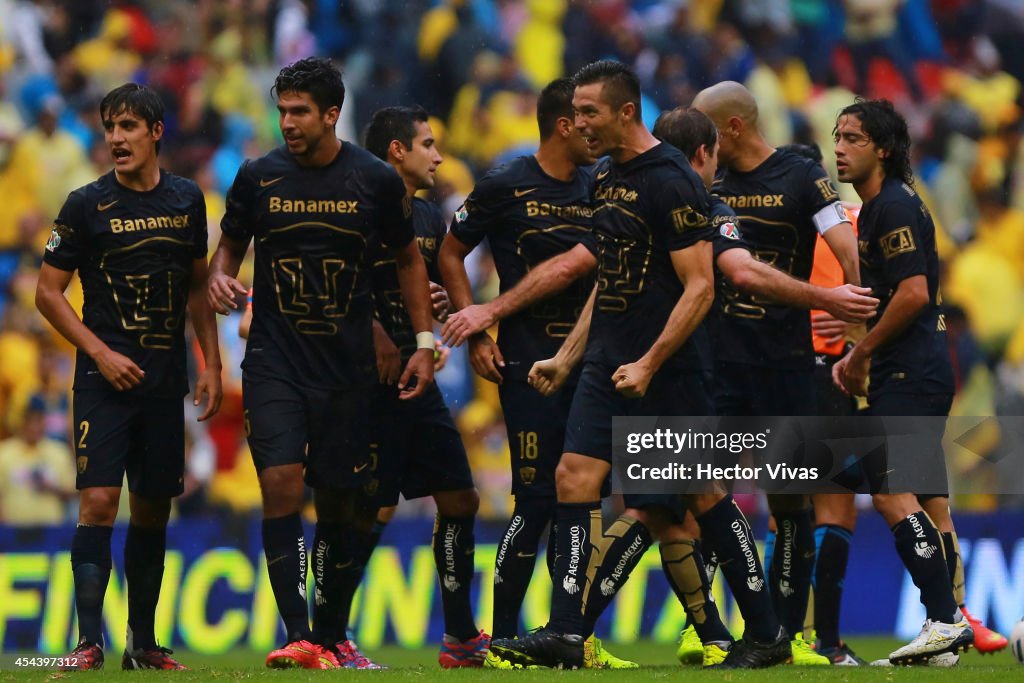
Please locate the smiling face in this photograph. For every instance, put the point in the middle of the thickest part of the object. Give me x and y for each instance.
(858, 158)
(598, 122)
(304, 127)
(131, 142)
(419, 163)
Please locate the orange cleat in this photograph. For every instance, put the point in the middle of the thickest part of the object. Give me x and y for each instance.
(986, 641)
(298, 654)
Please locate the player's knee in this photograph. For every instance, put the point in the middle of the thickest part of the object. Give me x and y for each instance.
(150, 513)
(98, 506)
(894, 507)
(463, 503)
(283, 490)
(575, 482)
(837, 509)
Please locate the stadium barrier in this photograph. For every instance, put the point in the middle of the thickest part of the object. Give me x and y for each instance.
(216, 595)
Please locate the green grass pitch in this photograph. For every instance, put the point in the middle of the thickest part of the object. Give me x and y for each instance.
(657, 662)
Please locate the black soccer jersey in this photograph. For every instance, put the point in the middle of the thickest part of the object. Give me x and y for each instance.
(897, 241)
(133, 252)
(643, 209)
(311, 296)
(776, 204)
(528, 217)
(388, 307)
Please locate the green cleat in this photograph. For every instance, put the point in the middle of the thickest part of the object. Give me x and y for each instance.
(714, 653)
(691, 650)
(596, 657)
(804, 653)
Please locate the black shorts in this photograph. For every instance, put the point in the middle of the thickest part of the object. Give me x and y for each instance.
(327, 431)
(415, 448)
(832, 402)
(742, 390)
(119, 432)
(880, 464)
(596, 402)
(536, 434)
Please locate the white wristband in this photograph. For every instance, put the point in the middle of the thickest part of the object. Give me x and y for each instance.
(424, 340)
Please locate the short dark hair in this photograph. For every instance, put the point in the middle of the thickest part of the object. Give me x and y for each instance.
(621, 84)
(132, 98)
(555, 102)
(686, 129)
(318, 77)
(888, 130)
(811, 151)
(393, 123)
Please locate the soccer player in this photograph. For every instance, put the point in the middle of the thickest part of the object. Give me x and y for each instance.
(764, 358)
(137, 237)
(418, 449)
(654, 285)
(904, 352)
(535, 213)
(694, 134)
(313, 206)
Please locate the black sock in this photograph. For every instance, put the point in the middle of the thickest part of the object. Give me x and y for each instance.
(360, 550)
(90, 562)
(726, 533)
(622, 547)
(285, 548)
(684, 568)
(920, 547)
(954, 565)
(143, 572)
(552, 551)
(831, 556)
(513, 567)
(331, 557)
(575, 536)
(789, 574)
(454, 548)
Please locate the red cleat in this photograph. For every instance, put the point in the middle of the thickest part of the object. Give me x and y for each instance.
(986, 641)
(351, 658)
(467, 654)
(85, 657)
(155, 658)
(298, 654)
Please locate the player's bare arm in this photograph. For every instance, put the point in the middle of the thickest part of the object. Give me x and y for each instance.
(116, 368)
(842, 240)
(547, 376)
(911, 297)
(412, 276)
(223, 289)
(847, 302)
(484, 355)
(694, 269)
(547, 278)
(205, 323)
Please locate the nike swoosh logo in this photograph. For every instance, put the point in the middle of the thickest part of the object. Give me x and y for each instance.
(268, 183)
(104, 207)
(359, 468)
(525, 555)
(602, 174)
(275, 560)
(523, 193)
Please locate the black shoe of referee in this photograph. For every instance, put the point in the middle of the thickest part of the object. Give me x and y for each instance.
(750, 654)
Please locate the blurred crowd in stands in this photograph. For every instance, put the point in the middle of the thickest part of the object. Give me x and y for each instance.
(953, 67)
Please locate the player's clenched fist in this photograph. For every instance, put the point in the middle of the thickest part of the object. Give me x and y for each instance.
(222, 292)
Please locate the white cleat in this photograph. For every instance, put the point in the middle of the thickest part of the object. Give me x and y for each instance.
(946, 659)
(936, 638)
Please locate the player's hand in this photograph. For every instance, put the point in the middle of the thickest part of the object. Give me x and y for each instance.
(420, 366)
(441, 353)
(461, 325)
(439, 302)
(851, 303)
(547, 376)
(389, 360)
(828, 327)
(118, 369)
(485, 357)
(222, 292)
(209, 384)
(850, 374)
(632, 379)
